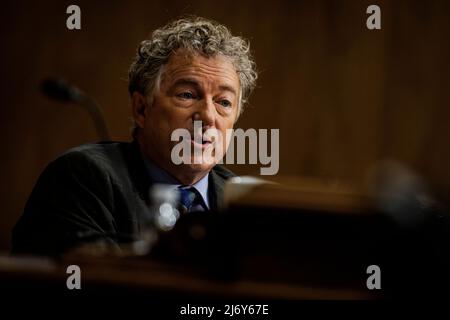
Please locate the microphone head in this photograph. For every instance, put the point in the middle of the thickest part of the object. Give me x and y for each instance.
(59, 89)
(401, 194)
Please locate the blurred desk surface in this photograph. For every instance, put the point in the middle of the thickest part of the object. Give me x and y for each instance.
(150, 278)
(288, 242)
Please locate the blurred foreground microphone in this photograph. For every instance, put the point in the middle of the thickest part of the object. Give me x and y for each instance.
(401, 194)
(58, 89)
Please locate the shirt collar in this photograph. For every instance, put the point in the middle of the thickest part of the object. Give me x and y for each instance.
(202, 187)
(158, 175)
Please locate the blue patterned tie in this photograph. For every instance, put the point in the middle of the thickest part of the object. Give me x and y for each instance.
(189, 197)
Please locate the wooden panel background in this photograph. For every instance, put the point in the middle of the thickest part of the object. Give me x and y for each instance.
(342, 96)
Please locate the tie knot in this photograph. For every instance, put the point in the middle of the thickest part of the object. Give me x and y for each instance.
(188, 198)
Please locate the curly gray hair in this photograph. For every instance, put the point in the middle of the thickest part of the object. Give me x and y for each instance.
(197, 35)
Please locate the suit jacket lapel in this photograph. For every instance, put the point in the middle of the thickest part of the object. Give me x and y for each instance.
(215, 191)
(137, 171)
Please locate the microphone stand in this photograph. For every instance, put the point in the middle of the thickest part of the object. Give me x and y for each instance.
(97, 117)
(59, 90)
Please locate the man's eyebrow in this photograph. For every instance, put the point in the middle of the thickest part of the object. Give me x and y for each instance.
(186, 81)
(195, 83)
(225, 87)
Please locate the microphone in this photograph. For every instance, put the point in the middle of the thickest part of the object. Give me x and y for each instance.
(58, 89)
(401, 194)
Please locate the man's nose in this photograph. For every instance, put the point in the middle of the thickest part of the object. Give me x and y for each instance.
(206, 112)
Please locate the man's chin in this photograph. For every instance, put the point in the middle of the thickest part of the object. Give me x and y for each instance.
(200, 165)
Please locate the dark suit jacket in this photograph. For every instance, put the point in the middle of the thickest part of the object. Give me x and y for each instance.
(92, 191)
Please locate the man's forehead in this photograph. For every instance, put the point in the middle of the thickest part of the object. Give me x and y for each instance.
(186, 67)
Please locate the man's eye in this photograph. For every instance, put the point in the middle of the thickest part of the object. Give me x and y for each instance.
(225, 103)
(185, 95)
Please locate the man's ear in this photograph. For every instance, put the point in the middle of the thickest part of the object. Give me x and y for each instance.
(139, 108)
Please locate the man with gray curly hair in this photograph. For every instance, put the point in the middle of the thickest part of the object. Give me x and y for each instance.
(196, 36)
(191, 75)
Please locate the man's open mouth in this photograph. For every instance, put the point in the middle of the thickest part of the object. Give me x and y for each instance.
(203, 143)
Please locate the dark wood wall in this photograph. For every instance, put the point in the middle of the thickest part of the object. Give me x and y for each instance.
(342, 96)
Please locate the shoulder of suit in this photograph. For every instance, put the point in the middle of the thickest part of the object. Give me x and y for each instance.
(96, 151)
(103, 156)
(223, 172)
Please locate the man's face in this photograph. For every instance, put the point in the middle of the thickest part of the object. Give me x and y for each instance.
(192, 88)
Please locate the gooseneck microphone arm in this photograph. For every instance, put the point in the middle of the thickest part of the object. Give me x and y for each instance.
(58, 89)
(96, 115)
